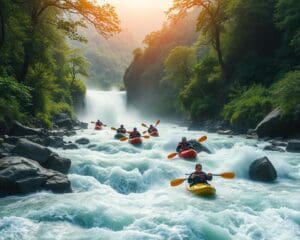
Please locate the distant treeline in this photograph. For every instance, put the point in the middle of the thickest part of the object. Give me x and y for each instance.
(40, 75)
(242, 62)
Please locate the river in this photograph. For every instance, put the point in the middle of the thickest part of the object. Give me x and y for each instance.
(123, 192)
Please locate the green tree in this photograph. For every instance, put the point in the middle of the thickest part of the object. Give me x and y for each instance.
(179, 66)
(211, 19)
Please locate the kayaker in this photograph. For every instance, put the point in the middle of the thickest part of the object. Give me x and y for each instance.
(152, 129)
(135, 133)
(183, 145)
(199, 176)
(99, 123)
(121, 129)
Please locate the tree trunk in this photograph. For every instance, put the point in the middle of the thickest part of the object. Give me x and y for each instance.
(218, 48)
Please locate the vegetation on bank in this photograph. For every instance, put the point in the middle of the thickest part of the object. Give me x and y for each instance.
(40, 74)
(243, 63)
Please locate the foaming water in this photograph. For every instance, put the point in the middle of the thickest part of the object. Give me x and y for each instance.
(123, 192)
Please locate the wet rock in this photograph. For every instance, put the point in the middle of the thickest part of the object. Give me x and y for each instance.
(273, 148)
(70, 133)
(70, 146)
(278, 143)
(293, 146)
(11, 139)
(18, 129)
(262, 170)
(31, 150)
(57, 163)
(198, 146)
(83, 141)
(225, 132)
(55, 142)
(65, 123)
(19, 175)
(92, 145)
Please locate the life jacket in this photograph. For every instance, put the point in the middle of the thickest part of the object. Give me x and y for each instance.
(134, 134)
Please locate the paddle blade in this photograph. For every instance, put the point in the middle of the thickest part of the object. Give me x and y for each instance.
(202, 139)
(177, 182)
(145, 125)
(157, 122)
(228, 175)
(114, 129)
(172, 155)
(144, 132)
(147, 137)
(123, 139)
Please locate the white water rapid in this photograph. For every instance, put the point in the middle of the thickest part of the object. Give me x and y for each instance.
(123, 192)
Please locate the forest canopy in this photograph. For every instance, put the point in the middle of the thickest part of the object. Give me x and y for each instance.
(40, 74)
(243, 63)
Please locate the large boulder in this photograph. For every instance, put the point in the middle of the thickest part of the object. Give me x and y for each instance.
(293, 146)
(198, 146)
(262, 170)
(57, 163)
(276, 124)
(19, 175)
(83, 141)
(34, 151)
(18, 129)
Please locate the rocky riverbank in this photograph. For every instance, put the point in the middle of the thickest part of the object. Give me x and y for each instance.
(27, 164)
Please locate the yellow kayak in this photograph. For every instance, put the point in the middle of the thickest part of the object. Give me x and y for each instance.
(202, 189)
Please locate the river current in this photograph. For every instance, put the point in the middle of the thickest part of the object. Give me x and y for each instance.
(123, 192)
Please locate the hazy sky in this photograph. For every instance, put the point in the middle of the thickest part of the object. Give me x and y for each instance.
(141, 17)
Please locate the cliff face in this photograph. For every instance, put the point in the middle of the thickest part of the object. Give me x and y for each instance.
(143, 76)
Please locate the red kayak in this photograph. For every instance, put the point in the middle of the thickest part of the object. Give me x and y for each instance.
(154, 134)
(98, 127)
(188, 154)
(136, 140)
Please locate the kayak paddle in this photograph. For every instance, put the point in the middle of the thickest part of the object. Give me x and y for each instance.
(145, 125)
(226, 175)
(123, 139)
(114, 129)
(202, 139)
(157, 122)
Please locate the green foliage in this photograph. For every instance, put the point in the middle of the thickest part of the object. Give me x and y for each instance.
(288, 21)
(245, 111)
(286, 93)
(179, 66)
(39, 73)
(200, 97)
(14, 98)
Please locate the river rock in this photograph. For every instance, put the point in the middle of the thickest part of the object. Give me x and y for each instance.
(225, 132)
(278, 143)
(293, 146)
(198, 146)
(34, 151)
(271, 125)
(19, 175)
(262, 170)
(70, 146)
(57, 163)
(18, 129)
(83, 141)
(55, 142)
(273, 148)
